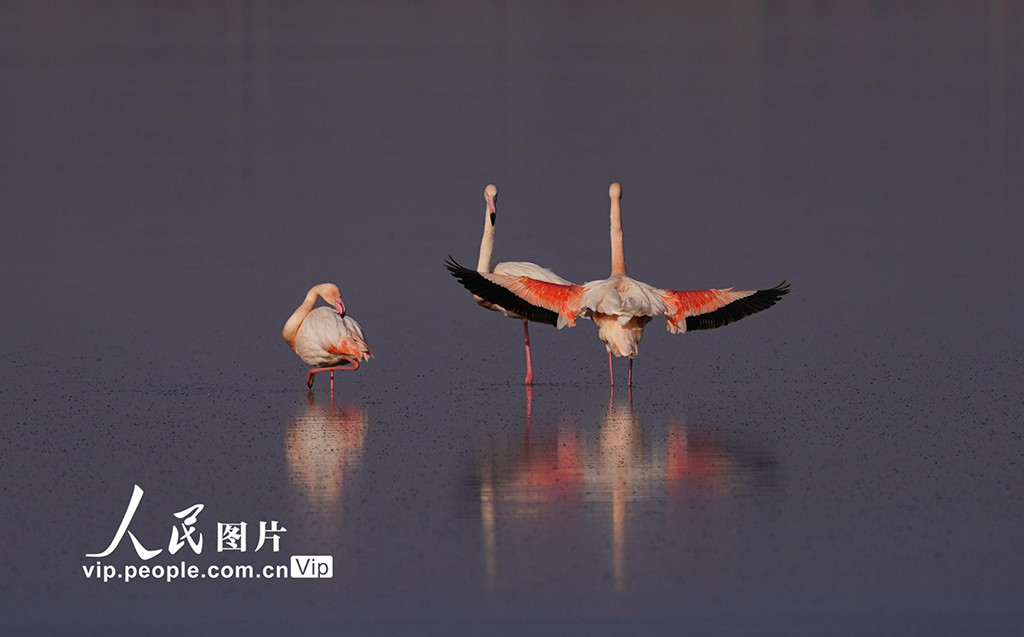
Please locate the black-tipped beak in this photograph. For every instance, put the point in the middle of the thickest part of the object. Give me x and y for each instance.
(494, 217)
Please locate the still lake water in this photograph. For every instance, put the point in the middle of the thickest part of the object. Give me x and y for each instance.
(174, 177)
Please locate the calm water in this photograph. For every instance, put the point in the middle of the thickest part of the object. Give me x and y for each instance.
(174, 178)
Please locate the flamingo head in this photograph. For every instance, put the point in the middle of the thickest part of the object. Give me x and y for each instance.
(330, 293)
(491, 196)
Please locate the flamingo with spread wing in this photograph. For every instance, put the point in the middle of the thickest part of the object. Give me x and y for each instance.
(509, 268)
(619, 305)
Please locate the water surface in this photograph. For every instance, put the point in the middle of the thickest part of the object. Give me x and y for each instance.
(174, 178)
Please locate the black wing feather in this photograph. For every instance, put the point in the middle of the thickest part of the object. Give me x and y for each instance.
(494, 293)
(740, 308)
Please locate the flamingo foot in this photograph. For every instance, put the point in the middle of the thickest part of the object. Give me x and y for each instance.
(351, 367)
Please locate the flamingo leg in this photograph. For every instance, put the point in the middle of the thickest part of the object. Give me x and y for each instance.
(611, 377)
(630, 372)
(351, 367)
(529, 363)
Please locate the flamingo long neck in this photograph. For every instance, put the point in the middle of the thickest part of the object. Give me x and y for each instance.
(618, 257)
(291, 326)
(486, 245)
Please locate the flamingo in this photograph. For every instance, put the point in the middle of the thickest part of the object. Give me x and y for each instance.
(325, 337)
(619, 305)
(512, 269)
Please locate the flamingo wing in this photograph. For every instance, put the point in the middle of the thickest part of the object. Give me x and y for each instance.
(325, 335)
(539, 301)
(352, 342)
(532, 270)
(686, 311)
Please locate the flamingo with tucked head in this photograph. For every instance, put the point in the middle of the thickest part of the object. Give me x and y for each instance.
(619, 305)
(325, 338)
(509, 268)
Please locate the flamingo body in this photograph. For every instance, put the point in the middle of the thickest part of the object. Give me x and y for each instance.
(326, 338)
(620, 334)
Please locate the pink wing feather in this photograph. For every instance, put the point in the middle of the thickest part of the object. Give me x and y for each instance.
(535, 300)
(690, 310)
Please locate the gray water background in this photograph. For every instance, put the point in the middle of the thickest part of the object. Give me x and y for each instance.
(175, 176)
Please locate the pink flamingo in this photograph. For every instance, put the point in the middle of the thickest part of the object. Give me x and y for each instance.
(514, 269)
(619, 305)
(325, 337)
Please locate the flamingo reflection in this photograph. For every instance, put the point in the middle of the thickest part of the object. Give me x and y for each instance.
(323, 449)
(528, 479)
(714, 464)
(620, 467)
(548, 478)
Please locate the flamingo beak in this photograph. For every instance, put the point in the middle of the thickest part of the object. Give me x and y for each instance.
(492, 210)
(340, 306)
